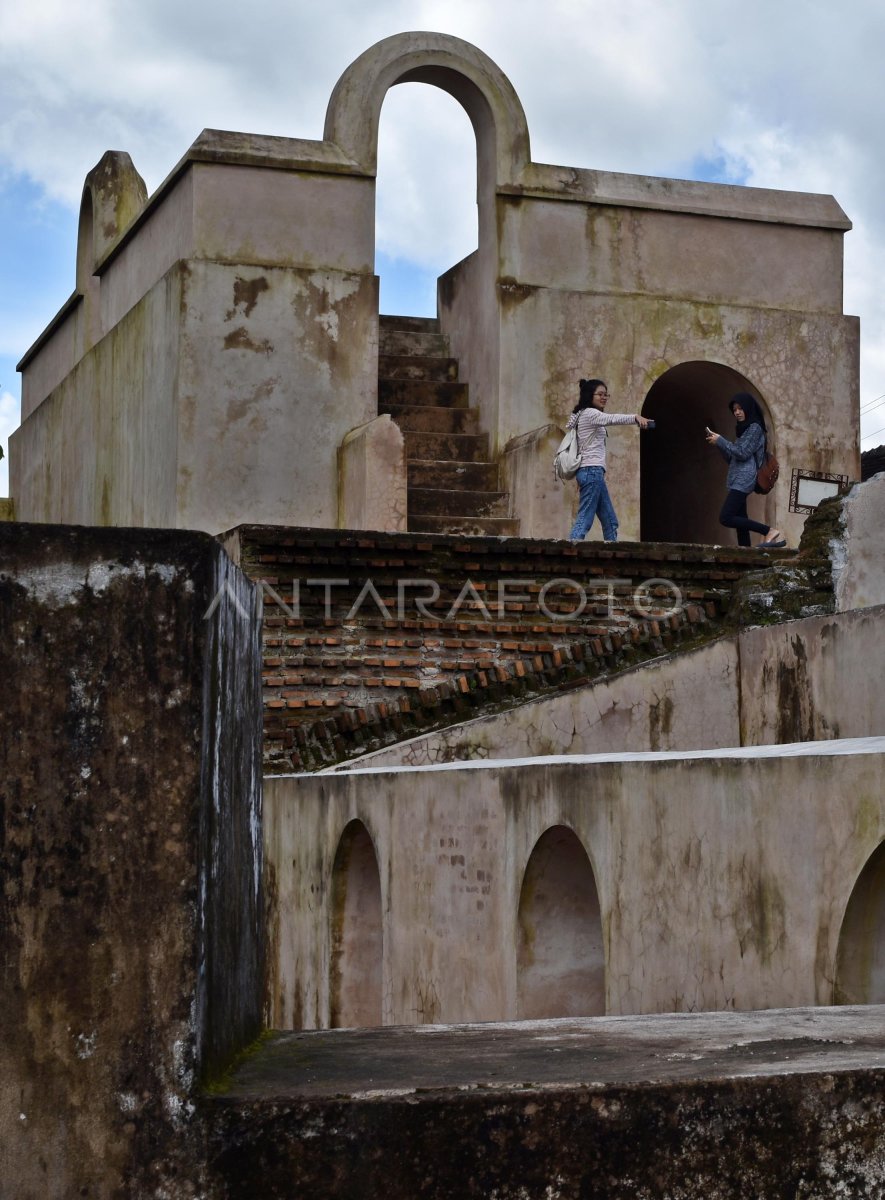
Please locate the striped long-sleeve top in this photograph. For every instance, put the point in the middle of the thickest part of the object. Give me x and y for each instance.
(592, 433)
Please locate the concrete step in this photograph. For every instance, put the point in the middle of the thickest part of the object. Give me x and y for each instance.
(415, 324)
(465, 526)
(422, 391)
(473, 477)
(412, 366)
(430, 501)
(410, 342)
(463, 447)
(421, 418)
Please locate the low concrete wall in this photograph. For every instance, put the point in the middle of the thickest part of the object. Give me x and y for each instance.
(799, 681)
(130, 855)
(722, 879)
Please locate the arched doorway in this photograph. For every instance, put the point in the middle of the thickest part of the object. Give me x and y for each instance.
(860, 959)
(682, 478)
(356, 932)
(560, 953)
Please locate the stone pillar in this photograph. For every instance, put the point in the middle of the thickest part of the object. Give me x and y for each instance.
(372, 485)
(130, 859)
(546, 508)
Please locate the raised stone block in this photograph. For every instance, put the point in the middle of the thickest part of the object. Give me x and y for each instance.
(372, 486)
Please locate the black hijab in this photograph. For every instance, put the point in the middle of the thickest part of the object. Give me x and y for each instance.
(752, 413)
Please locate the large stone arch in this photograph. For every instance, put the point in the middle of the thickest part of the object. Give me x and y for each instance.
(682, 477)
(860, 959)
(455, 66)
(356, 934)
(560, 950)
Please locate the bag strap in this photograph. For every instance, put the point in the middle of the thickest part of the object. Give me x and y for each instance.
(578, 434)
(764, 452)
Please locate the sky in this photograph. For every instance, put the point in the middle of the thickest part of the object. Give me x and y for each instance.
(784, 95)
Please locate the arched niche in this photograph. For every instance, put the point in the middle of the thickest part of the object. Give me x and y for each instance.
(560, 952)
(860, 959)
(356, 932)
(681, 476)
(462, 70)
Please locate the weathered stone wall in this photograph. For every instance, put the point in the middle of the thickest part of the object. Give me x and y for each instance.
(343, 675)
(722, 877)
(800, 681)
(552, 335)
(159, 439)
(856, 549)
(101, 448)
(130, 858)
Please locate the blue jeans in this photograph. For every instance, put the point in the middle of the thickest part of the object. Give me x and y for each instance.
(594, 502)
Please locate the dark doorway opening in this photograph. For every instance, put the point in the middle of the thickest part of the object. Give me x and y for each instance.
(682, 478)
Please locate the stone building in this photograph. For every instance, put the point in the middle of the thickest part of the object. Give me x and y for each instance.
(217, 321)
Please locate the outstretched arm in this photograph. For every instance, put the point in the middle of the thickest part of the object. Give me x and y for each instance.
(595, 417)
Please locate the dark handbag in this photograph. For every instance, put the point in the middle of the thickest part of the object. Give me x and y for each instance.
(766, 476)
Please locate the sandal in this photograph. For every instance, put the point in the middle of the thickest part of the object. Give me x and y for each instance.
(776, 545)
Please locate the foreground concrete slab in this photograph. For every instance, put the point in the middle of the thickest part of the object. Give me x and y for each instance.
(713, 1105)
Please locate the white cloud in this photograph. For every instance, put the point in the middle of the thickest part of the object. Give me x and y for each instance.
(426, 199)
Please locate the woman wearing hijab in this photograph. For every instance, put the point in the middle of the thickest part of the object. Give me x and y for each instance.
(592, 420)
(745, 455)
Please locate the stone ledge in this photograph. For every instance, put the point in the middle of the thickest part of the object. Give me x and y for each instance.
(779, 1103)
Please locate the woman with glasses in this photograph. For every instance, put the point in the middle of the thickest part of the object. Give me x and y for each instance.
(592, 420)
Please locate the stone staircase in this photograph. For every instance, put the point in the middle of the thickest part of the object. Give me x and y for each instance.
(453, 485)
